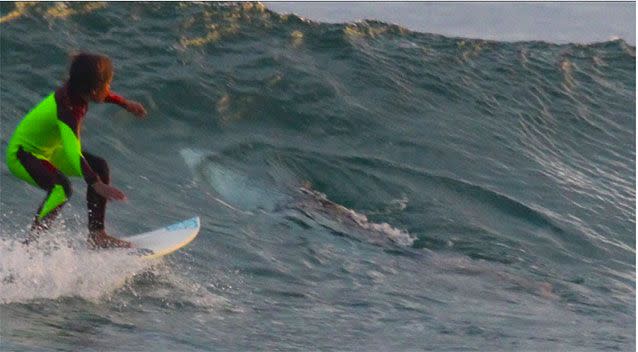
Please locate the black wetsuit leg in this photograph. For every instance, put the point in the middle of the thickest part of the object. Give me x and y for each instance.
(47, 177)
(95, 202)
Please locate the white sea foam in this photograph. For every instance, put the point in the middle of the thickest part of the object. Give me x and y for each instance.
(322, 204)
(398, 236)
(50, 269)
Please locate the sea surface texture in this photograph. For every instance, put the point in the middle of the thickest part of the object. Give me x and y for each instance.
(361, 187)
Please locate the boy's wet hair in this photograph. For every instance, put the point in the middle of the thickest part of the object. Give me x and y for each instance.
(89, 72)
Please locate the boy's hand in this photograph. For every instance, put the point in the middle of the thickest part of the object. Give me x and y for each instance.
(136, 109)
(108, 192)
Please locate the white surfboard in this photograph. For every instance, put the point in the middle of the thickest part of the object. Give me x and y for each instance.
(158, 243)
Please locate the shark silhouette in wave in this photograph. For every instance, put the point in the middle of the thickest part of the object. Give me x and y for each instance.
(250, 191)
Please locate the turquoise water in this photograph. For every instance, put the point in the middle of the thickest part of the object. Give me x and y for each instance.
(361, 186)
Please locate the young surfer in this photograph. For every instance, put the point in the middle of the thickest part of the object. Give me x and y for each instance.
(45, 148)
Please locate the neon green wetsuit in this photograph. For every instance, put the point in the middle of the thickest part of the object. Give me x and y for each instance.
(46, 147)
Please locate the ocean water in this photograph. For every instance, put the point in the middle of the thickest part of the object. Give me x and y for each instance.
(552, 21)
(362, 187)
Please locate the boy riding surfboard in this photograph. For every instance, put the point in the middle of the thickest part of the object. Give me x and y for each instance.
(45, 148)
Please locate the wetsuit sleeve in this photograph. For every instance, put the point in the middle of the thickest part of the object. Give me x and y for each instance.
(116, 99)
(73, 150)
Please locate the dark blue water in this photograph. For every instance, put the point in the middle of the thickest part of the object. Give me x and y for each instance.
(361, 186)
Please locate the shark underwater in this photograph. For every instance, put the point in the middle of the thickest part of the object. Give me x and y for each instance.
(278, 192)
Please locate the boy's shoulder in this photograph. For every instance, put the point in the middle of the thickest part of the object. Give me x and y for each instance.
(70, 109)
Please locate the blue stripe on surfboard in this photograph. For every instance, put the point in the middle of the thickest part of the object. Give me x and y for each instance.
(184, 225)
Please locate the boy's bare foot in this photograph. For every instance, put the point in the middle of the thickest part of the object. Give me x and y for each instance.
(99, 239)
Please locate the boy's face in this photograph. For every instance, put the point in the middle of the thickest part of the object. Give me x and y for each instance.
(100, 94)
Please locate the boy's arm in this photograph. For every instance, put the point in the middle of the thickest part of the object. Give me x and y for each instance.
(116, 99)
(133, 107)
(69, 131)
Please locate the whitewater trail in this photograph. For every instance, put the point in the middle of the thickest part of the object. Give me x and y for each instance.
(56, 267)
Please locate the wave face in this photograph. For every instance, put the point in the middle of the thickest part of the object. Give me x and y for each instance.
(361, 186)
